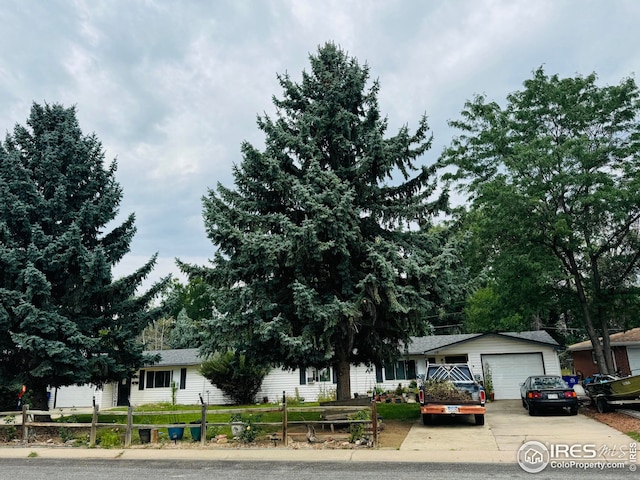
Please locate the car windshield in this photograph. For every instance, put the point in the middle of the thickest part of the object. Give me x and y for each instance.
(549, 382)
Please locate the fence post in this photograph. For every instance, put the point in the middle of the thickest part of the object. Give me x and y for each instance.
(203, 424)
(374, 422)
(128, 432)
(94, 426)
(285, 436)
(25, 422)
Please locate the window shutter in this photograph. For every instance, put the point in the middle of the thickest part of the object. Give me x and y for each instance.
(303, 376)
(141, 380)
(335, 377)
(378, 374)
(183, 378)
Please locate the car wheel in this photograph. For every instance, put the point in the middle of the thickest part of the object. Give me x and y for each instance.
(602, 405)
(479, 419)
(524, 404)
(427, 419)
(573, 410)
(532, 411)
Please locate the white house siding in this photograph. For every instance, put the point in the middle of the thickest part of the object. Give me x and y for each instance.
(287, 381)
(195, 385)
(495, 344)
(80, 396)
(109, 397)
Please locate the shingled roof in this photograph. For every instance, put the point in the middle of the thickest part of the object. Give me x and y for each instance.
(185, 356)
(630, 337)
(422, 345)
(418, 345)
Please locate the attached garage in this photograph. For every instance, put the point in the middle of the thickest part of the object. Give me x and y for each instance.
(633, 353)
(74, 396)
(509, 370)
(512, 356)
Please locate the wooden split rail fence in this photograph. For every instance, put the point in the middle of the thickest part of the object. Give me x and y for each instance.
(330, 415)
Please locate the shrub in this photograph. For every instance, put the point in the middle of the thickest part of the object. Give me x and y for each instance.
(109, 439)
(10, 431)
(236, 375)
(326, 394)
(251, 430)
(356, 430)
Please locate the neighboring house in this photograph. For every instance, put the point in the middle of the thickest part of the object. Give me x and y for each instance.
(625, 350)
(512, 357)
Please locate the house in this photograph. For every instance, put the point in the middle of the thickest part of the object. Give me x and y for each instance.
(625, 350)
(511, 357)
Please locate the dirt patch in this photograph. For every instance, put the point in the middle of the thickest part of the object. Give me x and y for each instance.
(620, 421)
(394, 433)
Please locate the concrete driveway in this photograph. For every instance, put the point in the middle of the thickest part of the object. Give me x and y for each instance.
(507, 427)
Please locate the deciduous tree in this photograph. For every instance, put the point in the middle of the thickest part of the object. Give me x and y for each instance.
(558, 170)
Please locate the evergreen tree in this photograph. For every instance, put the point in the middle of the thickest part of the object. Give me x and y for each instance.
(325, 252)
(67, 320)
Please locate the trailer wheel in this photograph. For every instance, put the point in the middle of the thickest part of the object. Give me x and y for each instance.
(602, 405)
(427, 419)
(479, 419)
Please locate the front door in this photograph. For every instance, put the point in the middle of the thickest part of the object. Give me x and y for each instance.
(124, 390)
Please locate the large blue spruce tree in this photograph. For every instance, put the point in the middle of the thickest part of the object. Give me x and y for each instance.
(326, 255)
(64, 319)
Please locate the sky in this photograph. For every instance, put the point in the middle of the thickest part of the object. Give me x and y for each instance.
(173, 88)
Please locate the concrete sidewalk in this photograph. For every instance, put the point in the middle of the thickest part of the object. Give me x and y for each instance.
(507, 428)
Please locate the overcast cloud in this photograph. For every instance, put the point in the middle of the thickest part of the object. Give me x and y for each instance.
(172, 88)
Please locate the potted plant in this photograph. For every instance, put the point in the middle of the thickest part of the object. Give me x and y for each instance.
(412, 391)
(237, 425)
(144, 432)
(175, 433)
(196, 430)
(488, 382)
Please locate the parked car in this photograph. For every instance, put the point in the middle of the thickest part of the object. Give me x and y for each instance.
(544, 392)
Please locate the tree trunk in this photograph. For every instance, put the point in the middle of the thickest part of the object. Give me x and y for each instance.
(606, 347)
(588, 322)
(342, 369)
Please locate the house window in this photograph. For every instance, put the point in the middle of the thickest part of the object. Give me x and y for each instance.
(313, 375)
(455, 359)
(183, 378)
(158, 378)
(324, 375)
(401, 370)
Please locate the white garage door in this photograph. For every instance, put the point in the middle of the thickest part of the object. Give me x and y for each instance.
(634, 359)
(510, 370)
